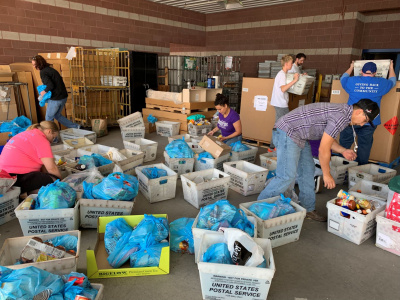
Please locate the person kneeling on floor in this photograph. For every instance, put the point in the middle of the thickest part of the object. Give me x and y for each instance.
(27, 153)
(313, 122)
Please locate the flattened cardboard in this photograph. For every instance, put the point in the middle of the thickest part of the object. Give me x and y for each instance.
(386, 146)
(98, 266)
(215, 147)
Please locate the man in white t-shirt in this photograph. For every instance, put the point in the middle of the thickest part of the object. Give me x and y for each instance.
(299, 60)
(280, 96)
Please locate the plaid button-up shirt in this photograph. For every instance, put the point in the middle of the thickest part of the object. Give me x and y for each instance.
(309, 122)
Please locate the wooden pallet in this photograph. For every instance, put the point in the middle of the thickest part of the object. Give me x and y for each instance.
(176, 110)
(254, 142)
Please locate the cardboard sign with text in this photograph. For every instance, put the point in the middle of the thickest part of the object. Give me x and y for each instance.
(386, 146)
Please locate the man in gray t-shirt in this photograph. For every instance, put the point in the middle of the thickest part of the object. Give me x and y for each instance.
(317, 121)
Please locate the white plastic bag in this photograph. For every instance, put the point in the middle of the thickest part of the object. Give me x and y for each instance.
(243, 249)
(115, 155)
(117, 168)
(75, 180)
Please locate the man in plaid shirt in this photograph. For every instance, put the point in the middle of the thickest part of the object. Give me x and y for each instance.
(313, 122)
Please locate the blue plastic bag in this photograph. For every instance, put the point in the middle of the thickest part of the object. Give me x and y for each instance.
(77, 284)
(153, 173)
(148, 256)
(179, 149)
(284, 206)
(203, 155)
(17, 125)
(116, 186)
(218, 254)
(69, 242)
(271, 174)
(181, 236)
(196, 117)
(264, 210)
(239, 147)
(224, 214)
(122, 251)
(56, 195)
(156, 227)
(151, 119)
(94, 160)
(114, 231)
(46, 96)
(26, 283)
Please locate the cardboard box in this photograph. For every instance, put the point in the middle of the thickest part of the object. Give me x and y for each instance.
(6, 76)
(196, 95)
(98, 266)
(386, 146)
(55, 55)
(215, 147)
(4, 137)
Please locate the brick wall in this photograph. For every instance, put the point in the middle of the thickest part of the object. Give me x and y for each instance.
(32, 26)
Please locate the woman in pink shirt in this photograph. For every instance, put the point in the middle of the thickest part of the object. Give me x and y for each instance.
(28, 155)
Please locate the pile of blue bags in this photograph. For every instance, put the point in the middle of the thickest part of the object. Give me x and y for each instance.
(94, 160)
(17, 125)
(223, 214)
(141, 246)
(179, 149)
(56, 195)
(33, 283)
(268, 211)
(116, 186)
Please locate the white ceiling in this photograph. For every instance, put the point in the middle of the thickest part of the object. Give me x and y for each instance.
(212, 6)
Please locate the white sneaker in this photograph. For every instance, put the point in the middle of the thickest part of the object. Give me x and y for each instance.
(318, 184)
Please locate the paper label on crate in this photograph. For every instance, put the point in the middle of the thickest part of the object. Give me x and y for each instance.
(37, 226)
(335, 92)
(334, 225)
(219, 287)
(392, 125)
(384, 240)
(245, 89)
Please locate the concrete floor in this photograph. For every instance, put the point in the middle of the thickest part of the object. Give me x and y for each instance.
(318, 266)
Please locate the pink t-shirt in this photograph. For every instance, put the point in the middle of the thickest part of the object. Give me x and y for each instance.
(22, 154)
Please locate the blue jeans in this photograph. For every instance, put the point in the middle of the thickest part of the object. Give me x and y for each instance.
(292, 160)
(232, 140)
(54, 110)
(365, 138)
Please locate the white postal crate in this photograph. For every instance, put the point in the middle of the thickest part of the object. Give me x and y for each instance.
(147, 146)
(132, 133)
(97, 148)
(61, 147)
(200, 194)
(186, 137)
(374, 190)
(269, 161)
(201, 130)
(211, 163)
(134, 159)
(179, 165)
(100, 290)
(78, 143)
(382, 66)
(281, 230)
(358, 228)
(104, 170)
(246, 178)
(244, 283)
(199, 232)
(92, 209)
(248, 155)
(370, 172)
(8, 204)
(167, 128)
(159, 189)
(70, 156)
(133, 120)
(339, 168)
(387, 238)
(302, 86)
(38, 221)
(195, 147)
(74, 133)
(12, 248)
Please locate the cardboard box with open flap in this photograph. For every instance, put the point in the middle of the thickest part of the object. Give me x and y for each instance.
(214, 146)
(98, 266)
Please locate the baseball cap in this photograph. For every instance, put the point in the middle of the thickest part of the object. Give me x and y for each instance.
(369, 66)
(370, 108)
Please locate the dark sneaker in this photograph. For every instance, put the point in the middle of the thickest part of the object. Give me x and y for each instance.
(313, 215)
(318, 184)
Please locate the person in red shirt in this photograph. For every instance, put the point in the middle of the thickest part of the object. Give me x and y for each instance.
(28, 154)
